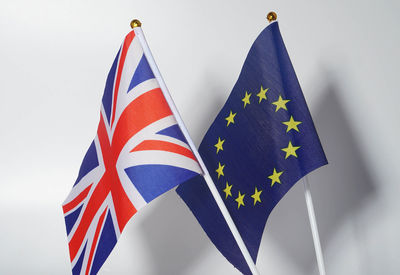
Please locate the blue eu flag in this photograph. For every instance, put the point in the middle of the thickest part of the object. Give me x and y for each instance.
(261, 143)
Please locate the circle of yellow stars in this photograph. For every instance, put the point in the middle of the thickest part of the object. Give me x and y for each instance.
(289, 151)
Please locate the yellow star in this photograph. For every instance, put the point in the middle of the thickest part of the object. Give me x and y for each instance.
(220, 170)
(291, 124)
(280, 103)
(256, 196)
(227, 190)
(261, 95)
(230, 118)
(275, 177)
(246, 99)
(239, 200)
(290, 150)
(219, 145)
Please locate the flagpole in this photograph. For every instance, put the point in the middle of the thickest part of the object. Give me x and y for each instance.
(314, 227)
(136, 26)
(271, 16)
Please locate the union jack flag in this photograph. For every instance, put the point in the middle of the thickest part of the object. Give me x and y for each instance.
(139, 153)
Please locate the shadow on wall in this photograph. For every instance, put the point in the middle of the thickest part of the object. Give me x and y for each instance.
(174, 243)
(339, 189)
(214, 98)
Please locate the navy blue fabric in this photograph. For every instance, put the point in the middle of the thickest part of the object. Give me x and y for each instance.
(70, 220)
(173, 131)
(105, 245)
(89, 162)
(253, 149)
(143, 72)
(108, 91)
(76, 270)
(152, 180)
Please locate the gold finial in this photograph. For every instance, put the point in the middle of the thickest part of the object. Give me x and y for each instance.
(135, 23)
(271, 16)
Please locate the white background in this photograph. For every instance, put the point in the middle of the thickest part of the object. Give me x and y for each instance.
(54, 59)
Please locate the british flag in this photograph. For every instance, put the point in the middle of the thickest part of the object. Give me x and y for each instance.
(139, 153)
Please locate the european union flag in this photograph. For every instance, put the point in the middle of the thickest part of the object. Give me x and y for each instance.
(261, 143)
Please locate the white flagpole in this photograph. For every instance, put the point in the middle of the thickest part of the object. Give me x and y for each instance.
(314, 227)
(136, 25)
(271, 16)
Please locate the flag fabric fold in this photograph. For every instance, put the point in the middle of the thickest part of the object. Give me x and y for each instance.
(139, 153)
(261, 143)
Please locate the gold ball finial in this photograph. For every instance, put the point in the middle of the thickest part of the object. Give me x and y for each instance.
(271, 16)
(135, 23)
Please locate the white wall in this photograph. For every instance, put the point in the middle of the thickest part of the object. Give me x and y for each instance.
(54, 58)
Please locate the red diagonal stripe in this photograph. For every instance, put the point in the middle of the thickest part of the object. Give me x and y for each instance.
(164, 146)
(94, 242)
(98, 196)
(72, 204)
(96, 199)
(125, 47)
